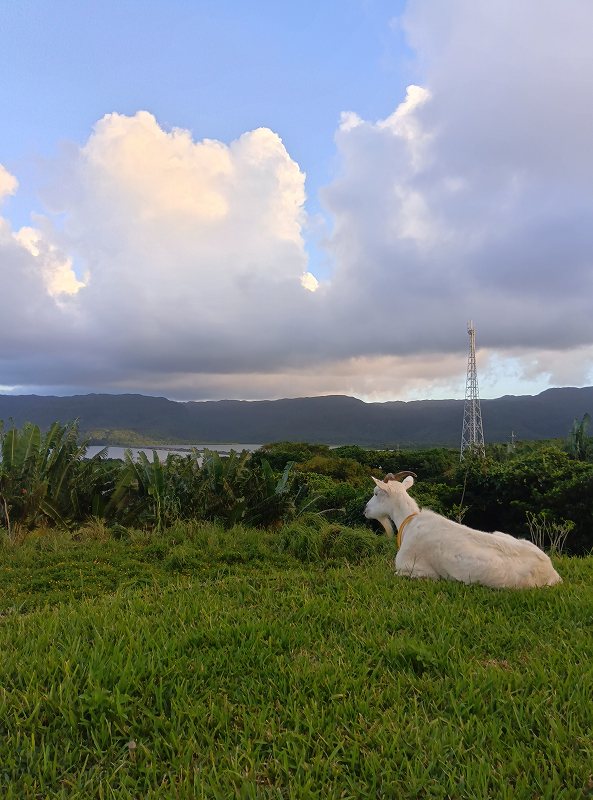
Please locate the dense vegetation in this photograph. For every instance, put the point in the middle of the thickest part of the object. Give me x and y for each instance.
(542, 488)
(528, 489)
(210, 627)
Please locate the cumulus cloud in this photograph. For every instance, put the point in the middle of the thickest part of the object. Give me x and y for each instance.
(30, 322)
(309, 282)
(8, 183)
(161, 254)
(199, 237)
(472, 199)
(56, 268)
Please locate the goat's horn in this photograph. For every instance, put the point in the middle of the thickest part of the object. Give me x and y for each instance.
(399, 476)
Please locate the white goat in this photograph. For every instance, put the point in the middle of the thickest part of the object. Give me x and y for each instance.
(431, 546)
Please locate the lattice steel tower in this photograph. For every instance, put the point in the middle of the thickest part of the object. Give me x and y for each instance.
(472, 433)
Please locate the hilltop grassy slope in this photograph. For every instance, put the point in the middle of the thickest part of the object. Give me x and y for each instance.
(204, 664)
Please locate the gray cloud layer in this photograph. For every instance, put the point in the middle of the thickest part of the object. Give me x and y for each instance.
(480, 206)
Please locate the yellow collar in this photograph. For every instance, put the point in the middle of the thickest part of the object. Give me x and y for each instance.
(400, 530)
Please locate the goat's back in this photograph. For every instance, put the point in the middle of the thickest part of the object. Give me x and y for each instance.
(434, 546)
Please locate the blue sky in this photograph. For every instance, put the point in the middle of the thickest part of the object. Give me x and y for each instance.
(228, 199)
(215, 68)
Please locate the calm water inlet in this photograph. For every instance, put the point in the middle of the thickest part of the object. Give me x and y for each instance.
(164, 450)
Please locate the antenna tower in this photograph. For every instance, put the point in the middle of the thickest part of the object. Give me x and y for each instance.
(472, 433)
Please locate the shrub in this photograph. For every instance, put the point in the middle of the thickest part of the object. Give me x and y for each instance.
(546, 533)
(341, 469)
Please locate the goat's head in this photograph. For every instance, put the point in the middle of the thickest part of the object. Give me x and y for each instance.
(384, 499)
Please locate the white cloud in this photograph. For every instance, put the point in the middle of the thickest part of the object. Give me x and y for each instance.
(56, 268)
(160, 175)
(406, 124)
(349, 120)
(8, 183)
(309, 282)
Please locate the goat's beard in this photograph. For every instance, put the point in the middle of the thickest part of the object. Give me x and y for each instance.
(387, 524)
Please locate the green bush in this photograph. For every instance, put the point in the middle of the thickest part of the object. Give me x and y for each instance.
(340, 469)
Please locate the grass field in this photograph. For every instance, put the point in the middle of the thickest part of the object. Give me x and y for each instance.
(204, 664)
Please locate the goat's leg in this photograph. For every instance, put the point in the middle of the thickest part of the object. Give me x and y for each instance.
(414, 568)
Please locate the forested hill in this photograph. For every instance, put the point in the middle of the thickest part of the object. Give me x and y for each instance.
(331, 420)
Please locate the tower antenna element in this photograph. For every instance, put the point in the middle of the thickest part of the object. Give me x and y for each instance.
(472, 432)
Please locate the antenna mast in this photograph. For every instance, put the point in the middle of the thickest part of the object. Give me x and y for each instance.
(472, 433)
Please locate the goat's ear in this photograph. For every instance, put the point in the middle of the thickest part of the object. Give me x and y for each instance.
(381, 484)
(407, 482)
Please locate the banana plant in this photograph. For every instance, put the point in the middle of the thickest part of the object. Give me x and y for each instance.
(37, 472)
(221, 489)
(580, 446)
(92, 485)
(234, 489)
(139, 495)
(269, 499)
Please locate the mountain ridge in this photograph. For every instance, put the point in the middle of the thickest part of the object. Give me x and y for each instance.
(329, 419)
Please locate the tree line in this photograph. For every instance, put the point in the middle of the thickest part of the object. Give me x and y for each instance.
(543, 488)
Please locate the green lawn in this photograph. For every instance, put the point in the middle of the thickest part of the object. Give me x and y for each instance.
(219, 666)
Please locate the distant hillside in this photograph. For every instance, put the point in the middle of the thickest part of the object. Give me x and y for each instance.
(331, 420)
